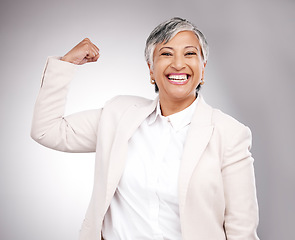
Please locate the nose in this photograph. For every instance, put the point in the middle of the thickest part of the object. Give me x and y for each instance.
(178, 62)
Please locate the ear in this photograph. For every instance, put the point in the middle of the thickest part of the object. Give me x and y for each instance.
(203, 70)
(151, 71)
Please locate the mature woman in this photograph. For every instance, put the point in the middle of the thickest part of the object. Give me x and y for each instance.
(171, 168)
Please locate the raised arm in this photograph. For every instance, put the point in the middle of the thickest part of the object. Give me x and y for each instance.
(73, 133)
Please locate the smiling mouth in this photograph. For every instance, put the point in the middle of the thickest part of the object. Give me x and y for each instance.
(178, 78)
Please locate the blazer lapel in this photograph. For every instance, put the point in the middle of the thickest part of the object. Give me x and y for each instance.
(130, 121)
(198, 137)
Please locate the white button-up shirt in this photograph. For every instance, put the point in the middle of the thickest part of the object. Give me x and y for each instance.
(145, 204)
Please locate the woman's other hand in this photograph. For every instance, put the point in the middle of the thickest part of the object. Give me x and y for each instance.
(83, 52)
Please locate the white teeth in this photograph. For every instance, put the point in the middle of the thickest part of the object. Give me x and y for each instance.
(178, 77)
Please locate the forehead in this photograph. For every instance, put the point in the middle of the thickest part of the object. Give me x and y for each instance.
(181, 39)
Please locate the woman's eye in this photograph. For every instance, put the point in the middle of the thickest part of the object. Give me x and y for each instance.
(166, 54)
(191, 53)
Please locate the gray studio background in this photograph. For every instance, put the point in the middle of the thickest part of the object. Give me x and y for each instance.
(250, 75)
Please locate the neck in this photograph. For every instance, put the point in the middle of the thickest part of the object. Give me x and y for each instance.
(171, 106)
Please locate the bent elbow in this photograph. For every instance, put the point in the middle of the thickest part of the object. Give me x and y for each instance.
(36, 135)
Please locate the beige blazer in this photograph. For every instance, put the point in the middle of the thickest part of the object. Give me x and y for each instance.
(217, 196)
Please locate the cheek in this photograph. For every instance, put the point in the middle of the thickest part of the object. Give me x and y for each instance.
(161, 64)
(198, 69)
(158, 70)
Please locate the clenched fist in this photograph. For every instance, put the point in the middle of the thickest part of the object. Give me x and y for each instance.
(83, 52)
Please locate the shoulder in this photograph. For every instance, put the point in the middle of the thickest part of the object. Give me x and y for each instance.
(223, 120)
(230, 129)
(225, 125)
(230, 135)
(217, 116)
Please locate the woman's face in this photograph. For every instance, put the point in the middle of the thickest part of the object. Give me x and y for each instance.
(178, 67)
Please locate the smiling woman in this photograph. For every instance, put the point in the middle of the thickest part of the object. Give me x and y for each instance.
(171, 168)
(178, 69)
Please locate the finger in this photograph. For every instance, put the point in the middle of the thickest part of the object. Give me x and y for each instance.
(84, 60)
(95, 50)
(90, 54)
(91, 51)
(92, 57)
(86, 40)
(88, 60)
(96, 57)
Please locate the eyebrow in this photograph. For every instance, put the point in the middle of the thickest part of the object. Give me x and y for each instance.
(184, 47)
(165, 47)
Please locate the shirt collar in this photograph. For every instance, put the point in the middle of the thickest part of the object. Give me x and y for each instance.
(177, 120)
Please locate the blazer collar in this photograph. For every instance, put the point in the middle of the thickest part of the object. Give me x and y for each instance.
(128, 124)
(198, 137)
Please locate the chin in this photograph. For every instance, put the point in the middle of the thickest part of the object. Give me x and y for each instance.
(181, 95)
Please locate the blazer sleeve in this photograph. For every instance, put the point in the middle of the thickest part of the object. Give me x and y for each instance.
(241, 210)
(73, 133)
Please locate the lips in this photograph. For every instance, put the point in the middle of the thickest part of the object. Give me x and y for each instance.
(178, 78)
